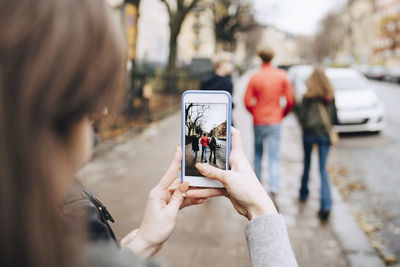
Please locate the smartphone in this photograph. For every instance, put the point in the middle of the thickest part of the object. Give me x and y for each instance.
(206, 134)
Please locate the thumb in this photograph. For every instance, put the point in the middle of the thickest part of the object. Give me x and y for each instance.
(212, 172)
(178, 197)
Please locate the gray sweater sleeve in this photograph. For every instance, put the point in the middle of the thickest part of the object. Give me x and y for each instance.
(268, 242)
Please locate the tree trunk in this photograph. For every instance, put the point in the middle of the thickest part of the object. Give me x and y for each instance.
(171, 81)
(171, 74)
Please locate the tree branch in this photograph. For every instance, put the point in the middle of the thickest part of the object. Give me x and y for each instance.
(189, 7)
(168, 7)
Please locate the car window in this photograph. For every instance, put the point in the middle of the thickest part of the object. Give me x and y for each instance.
(348, 83)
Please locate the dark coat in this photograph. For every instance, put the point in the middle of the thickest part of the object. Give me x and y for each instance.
(216, 82)
(310, 118)
(195, 143)
(213, 143)
(98, 217)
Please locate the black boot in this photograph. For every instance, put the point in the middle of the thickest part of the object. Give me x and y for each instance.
(324, 215)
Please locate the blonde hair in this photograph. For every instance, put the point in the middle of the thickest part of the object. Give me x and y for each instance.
(318, 85)
(221, 58)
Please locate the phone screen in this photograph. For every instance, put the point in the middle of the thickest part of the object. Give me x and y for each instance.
(205, 135)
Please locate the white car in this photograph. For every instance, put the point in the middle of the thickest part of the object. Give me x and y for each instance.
(359, 108)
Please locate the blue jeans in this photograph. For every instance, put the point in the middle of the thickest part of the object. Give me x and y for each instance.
(323, 149)
(273, 135)
(204, 152)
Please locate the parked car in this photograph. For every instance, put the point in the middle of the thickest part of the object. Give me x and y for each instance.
(363, 68)
(376, 72)
(359, 108)
(392, 74)
(297, 75)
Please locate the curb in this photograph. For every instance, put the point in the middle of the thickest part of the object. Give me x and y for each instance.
(353, 241)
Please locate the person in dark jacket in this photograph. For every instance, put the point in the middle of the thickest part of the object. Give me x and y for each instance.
(213, 147)
(195, 146)
(221, 78)
(319, 92)
(46, 133)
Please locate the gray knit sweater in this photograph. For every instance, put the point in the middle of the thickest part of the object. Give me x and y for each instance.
(266, 235)
(268, 242)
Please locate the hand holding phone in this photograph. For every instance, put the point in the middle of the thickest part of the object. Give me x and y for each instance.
(206, 126)
(241, 184)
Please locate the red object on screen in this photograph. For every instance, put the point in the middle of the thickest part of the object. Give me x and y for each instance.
(204, 141)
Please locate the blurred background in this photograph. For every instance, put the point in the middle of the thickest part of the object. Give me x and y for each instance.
(171, 44)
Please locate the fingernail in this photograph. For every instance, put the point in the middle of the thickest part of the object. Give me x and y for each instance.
(199, 165)
(184, 187)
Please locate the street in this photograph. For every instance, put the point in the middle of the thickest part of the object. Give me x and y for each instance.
(368, 172)
(362, 165)
(190, 161)
(108, 100)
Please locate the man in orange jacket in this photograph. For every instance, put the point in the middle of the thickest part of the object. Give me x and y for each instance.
(204, 143)
(263, 100)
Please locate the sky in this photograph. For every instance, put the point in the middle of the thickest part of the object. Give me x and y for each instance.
(295, 16)
(214, 116)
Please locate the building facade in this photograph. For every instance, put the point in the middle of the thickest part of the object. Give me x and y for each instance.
(386, 47)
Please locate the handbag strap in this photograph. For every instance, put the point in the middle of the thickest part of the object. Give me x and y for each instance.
(325, 117)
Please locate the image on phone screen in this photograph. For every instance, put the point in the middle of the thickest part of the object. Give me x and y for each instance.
(205, 135)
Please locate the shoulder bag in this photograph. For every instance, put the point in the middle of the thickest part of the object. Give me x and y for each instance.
(333, 135)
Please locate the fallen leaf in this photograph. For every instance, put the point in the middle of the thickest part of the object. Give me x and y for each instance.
(389, 258)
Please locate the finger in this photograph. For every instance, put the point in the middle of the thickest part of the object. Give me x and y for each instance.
(212, 172)
(174, 185)
(192, 201)
(205, 193)
(236, 139)
(173, 169)
(237, 156)
(177, 198)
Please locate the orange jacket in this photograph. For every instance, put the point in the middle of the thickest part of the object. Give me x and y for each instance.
(204, 141)
(263, 95)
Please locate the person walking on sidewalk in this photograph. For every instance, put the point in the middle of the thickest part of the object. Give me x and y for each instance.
(48, 112)
(195, 146)
(213, 147)
(263, 100)
(319, 99)
(204, 143)
(221, 78)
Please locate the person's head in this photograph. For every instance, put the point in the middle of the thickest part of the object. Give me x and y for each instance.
(222, 63)
(318, 85)
(204, 134)
(266, 54)
(61, 62)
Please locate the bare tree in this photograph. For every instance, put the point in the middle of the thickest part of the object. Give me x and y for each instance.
(176, 18)
(253, 38)
(329, 38)
(230, 18)
(193, 115)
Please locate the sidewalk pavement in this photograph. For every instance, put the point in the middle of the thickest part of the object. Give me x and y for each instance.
(213, 234)
(191, 161)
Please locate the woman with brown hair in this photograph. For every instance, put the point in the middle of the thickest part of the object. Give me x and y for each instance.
(61, 63)
(318, 101)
